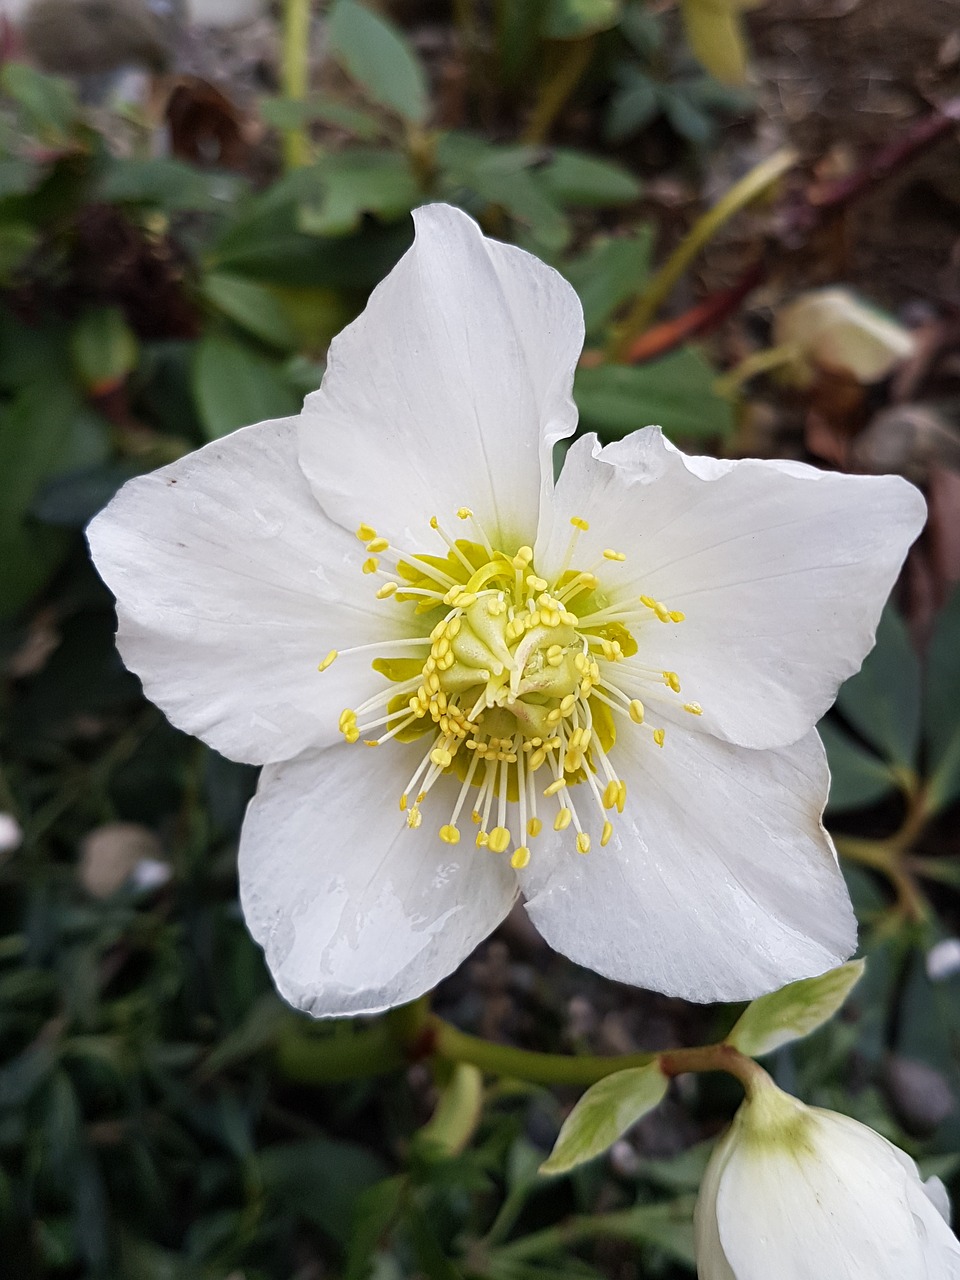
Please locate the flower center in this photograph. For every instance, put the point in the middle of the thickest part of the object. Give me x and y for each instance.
(514, 685)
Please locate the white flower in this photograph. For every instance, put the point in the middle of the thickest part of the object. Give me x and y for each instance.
(517, 649)
(799, 1193)
(11, 834)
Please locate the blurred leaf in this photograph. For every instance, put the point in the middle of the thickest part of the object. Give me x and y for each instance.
(166, 184)
(356, 182)
(290, 113)
(675, 392)
(643, 29)
(857, 778)
(882, 701)
(604, 1113)
(258, 1031)
(518, 32)
(378, 57)
(73, 499)
(633, 105)
(103, 349)
(374, 1213)
(574, 19)
(506, 176)
(609, 273)
(18, 176)
(49, 103)
(254, 307)
(455, 1117)
(321, 1180)
(793, 1011)
(236, 386)
(941, 702)
(573, 178)
(714, 29)
(17, 241)
(686, 116)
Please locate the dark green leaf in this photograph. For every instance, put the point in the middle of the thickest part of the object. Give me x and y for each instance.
(17, 241)
(103, 348)
(882, 701)
(941, 707)
(254, 307)
(857, 778)
(610, 272)
(166, 184)
(235, 386)
(573, 178)
(321, 1180)
(49, 103)
(378, 57)
(291, 113)
(374, 1214)
(574, 19)
(632, 107)
(675, 393)
(357, 182)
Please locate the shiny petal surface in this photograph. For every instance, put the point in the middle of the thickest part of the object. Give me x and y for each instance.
(781, 570)
(232, 585)
(719, 882)
(355, 911)
(448, 391)
(841, 1206)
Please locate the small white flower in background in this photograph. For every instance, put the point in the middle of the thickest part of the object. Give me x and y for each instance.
(798, 1193)
(11, 834)
(600, 693)
(943, 959)
(833, 329)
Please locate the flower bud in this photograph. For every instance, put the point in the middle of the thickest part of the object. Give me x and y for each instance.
(800, 1193)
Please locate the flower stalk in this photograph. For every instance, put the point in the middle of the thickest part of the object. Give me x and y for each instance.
(295, 75)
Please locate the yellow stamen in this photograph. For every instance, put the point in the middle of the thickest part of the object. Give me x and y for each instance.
(387, 589)
(694, 708)
(520, 857)
(562, 820)
(614, 555)
(499, 840)
(370, 565)
(365, 533)
(607, 833)
(636, 711)
(578, 522)
(329, 660)
(583, 842)
(534, 827)
(450, 834)
(658, 736)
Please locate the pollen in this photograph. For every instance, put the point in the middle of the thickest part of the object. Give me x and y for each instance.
(507, 671)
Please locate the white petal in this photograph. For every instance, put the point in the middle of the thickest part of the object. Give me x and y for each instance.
(780, 569)
(448, 391)
(841, 1205)
(355, 911)
(939, 1197)
(231, 587)
(711, 1260)
(719, 882)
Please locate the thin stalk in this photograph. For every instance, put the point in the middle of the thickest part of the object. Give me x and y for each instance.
(573, 58)
(295, 74)
(716, 1057)
(743, 193)
(525, 1064)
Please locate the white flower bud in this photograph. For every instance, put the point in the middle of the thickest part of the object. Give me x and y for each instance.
(798, 1193)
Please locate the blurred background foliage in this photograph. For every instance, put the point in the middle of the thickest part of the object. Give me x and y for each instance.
(173, 265)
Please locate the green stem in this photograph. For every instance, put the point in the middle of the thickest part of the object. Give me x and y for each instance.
(573, 59)
(752, 365)
(753, 185)
(622, 1223)
(716, 1057)
(331, 1059)
(296, 55)
(525, 1064)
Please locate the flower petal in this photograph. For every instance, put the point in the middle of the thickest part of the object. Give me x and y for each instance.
(355, 911)
(231, 587)
(449, 390)
(719, 882)
(780, 569)
(840, 1207)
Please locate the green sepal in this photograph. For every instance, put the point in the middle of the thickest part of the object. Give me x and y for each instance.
(793, 1011)
(604, 1113)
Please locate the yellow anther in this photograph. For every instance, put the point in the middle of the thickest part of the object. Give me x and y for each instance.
(672, 679)
(658, 736)
(371, 565)
(523, 557)
(414, 818)
(534, 583)
(365, 533)
(352, 734)
(662, 612)
(377, 544)
(371, 742)
(464, 513)
(440, 757)
(578, 522)
(611, 793)
(568, 619)
(554, 787)
(555, 651)
(676, 615)
(347, 718)
(482, 839)
(694, 708)
(554, 716)
(520, 857)
(636, 711)
(583, 842)
(534, 827)
(466, 599)
(567, 703)
(562, 820)
(499, 840)
(434, 522)
(328, 661)
(475, 818)
(453, 627)
(537, 759)
(387, 589)
(614, 555)
(403, 803)
(622, 797)
(648, 601)
(450, 834)
(606, 834)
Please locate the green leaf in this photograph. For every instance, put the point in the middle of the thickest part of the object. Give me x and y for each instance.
(291, 113)
(675, 392)
(857, 778)
(103, 349)
(254, 307)
(714, 29)
(321, 1180)
(506, 176)
(49, 103)
(378, 57)
(604, 1113)
(794, 1011)
(573, 178)
(610, 272)
(356, 182)
(17, 241)
(166, 184)
(574, 19)
(882, 701)
(234, 385)
(374, 1214)
(941, 699)
(632, 107)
